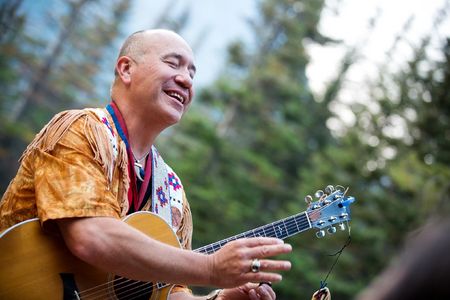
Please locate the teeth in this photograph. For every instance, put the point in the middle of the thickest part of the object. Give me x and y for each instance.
(176, 95)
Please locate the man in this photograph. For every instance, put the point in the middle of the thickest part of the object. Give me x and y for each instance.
(88, 168)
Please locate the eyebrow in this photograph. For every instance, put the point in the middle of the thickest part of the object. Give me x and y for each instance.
(180, 57)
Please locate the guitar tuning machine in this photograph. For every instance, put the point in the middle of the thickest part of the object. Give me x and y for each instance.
(320, 234)
(331, 230)
(329, 189)
(318, 194)
(308, 199)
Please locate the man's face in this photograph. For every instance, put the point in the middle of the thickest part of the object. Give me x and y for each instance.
(162, 78)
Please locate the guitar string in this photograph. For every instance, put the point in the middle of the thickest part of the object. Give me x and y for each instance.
(246, 234)
(141, 289)
(216, 246)
(272, 232)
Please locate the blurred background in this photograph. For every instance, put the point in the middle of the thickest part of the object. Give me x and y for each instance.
(291, 96)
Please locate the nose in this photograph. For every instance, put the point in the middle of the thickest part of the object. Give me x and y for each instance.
(184, 79)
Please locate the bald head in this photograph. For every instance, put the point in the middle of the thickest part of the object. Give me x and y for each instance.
(143, 41)
(140, 42)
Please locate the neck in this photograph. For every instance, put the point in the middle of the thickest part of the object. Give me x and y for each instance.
(141, 138)
(280, 229)
(142, 132)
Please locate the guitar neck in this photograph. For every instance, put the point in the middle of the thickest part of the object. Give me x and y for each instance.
(281, 229)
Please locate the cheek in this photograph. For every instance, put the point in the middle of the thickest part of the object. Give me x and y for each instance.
(192, 92)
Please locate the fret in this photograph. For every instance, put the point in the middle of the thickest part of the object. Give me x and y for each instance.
(291, 227)
(242, 235)
(248, 234)
(280, 229)
(209, 249)
(269, 230)
(296, 223)
(233, 238)
(303, 221)
(259, 232)
(216, 247)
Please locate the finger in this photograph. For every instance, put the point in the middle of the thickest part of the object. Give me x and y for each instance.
(266, 292)
(274, 265)
(269, 250)
(261, 276)
(260, 241)
(250, 286)
(253, 295)
(263, 294)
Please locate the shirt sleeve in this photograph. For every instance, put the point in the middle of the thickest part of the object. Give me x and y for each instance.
(69, 182)
(184, 234)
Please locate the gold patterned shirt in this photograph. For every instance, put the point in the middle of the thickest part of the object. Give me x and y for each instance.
(68, 171)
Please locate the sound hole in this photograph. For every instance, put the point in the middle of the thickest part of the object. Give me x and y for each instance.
(126, 289)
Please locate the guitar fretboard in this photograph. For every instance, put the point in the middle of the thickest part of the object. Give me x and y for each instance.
(280, 229)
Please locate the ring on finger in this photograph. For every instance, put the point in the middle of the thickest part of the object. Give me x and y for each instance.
(255, 265)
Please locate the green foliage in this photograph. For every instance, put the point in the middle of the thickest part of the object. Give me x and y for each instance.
(243, 148)
(51, 65)
(256, 142)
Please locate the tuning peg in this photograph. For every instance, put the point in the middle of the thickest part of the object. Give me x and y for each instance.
(340, 188)
(329, 189)
(318, 193)
(342, 226)
(320, 233)
(308, 199)
(331, 230)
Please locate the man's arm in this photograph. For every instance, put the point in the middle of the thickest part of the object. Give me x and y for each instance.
(114, 246)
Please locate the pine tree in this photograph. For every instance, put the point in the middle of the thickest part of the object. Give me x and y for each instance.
(55, 61)
(249, 138)
(256, 142)
(394, 158)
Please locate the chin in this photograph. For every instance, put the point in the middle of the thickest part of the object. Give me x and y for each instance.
(173, 118)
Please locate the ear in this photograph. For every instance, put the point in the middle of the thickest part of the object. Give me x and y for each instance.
(123, 69)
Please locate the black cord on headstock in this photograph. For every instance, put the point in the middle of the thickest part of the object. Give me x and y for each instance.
(323, 283)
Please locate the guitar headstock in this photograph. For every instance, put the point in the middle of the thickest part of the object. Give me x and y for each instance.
(331, 207)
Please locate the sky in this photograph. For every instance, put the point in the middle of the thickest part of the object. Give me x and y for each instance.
(219, 22)
(351, 25)
(213, 25)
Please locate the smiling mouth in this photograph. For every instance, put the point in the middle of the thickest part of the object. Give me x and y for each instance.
(176, 96)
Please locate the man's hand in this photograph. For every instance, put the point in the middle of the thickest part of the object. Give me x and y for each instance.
(231, 265)
(249, 291)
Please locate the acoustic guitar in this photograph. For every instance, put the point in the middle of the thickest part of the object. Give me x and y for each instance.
(34, 265)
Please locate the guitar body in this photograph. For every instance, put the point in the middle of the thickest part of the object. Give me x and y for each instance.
(34, 265)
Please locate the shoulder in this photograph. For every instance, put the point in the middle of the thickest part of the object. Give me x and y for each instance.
(75, 126)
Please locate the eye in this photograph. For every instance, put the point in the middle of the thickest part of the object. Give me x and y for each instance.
(172, 63)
